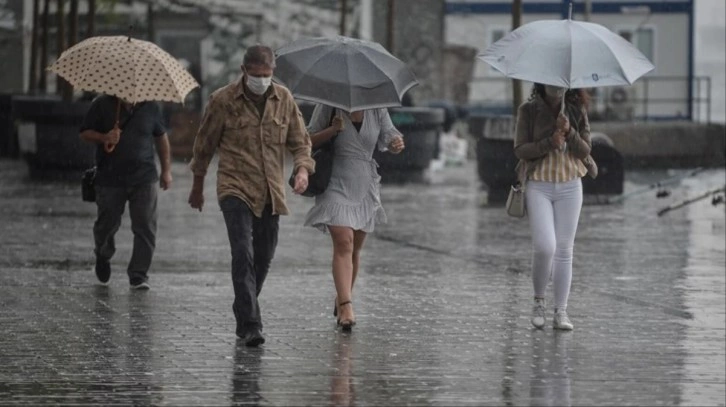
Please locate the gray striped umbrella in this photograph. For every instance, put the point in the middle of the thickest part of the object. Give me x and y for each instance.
(342, 72)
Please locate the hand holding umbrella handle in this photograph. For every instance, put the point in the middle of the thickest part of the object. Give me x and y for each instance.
(109, 146)
(337, 122)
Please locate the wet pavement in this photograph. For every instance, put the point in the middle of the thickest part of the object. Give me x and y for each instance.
(442, 303)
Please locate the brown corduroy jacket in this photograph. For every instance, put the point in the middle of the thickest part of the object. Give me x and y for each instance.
(252, 148)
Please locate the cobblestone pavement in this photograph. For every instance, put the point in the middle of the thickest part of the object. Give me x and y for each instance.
(442, 304)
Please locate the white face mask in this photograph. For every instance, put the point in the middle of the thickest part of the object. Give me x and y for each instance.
(257, 84)
(554, 91)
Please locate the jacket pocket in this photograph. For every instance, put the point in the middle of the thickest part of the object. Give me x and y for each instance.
(234, 126)
(277, 132)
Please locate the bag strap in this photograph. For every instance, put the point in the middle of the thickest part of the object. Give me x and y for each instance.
(332, 116)
(525, 164)
(330, 123)
(129, 116)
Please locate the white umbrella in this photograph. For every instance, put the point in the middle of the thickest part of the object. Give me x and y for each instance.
(568, 54)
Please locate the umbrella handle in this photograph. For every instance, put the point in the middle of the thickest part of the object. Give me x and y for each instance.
(109, 147)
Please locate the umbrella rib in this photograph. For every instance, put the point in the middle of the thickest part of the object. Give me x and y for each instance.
(172, 78)
(524, 51)
(614, 54)
(303, 73)
(365, 54)
(136, 59)
(569, 54)
(348, 69)
(407, 86)
(374, 65)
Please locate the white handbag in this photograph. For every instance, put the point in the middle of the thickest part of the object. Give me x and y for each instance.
(515, 202)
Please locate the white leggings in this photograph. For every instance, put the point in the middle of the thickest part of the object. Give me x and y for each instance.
(553, 210)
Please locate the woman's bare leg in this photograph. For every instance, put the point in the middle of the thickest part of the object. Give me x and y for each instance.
(359, 238)
(343, 269)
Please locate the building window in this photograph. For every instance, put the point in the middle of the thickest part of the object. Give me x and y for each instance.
(642, 38)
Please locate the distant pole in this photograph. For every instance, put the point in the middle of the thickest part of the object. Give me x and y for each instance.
(588, 10)
(61, 27)
(389, 26)
(343, 15)
(33, 85)
(61, 43)
(43, 81)
(366, 19)
(150, 21)
(91, 18)
(67, 89)
(516, 84)
(73, 24)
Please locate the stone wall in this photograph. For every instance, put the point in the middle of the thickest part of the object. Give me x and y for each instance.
(418, 40)
(457, 69)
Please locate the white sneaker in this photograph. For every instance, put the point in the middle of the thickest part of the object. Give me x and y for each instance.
(538, 313)
(561, 321)
(143, 285)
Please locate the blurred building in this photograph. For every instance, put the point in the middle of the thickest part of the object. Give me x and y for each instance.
(12, 40)
(710, 57)
(438, 39)
(662, 29)
(209, 36)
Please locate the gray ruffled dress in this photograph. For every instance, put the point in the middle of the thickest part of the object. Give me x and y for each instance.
(352, 198)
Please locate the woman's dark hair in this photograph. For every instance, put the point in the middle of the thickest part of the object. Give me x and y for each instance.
(573, 97)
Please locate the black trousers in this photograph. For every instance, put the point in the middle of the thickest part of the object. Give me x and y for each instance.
(253, 241)
(111, 202)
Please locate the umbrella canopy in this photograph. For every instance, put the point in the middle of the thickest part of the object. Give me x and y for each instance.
(131, 69)
(346, 73)
(566, 53)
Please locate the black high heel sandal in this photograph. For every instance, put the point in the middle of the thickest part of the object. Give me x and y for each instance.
(346, 325)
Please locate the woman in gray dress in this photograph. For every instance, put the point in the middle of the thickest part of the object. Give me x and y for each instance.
(351, 205)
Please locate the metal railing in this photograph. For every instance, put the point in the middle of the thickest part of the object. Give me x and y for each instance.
(651, 98)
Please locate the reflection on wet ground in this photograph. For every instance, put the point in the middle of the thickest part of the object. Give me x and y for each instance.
(442, 304)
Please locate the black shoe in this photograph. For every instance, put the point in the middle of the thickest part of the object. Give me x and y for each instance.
(103, 270)
(253, 337)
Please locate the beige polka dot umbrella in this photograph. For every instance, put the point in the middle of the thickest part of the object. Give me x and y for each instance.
(130, 69)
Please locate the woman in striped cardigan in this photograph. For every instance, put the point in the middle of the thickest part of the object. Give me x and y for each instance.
(553, 146)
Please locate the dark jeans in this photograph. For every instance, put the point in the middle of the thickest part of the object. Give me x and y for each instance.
(111, 202)
(253, 241)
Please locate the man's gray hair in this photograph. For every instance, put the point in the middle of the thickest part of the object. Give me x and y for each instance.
(259, 55)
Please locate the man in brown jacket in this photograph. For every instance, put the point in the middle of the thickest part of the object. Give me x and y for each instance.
(251, 122)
